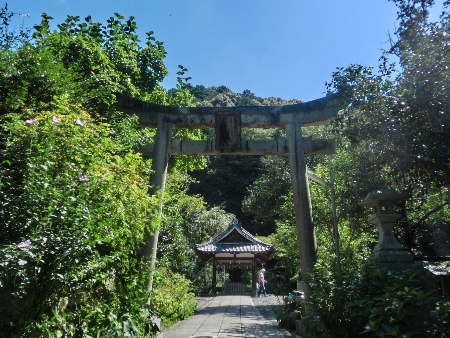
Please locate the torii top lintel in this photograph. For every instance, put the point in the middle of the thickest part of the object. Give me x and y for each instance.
(311, 113)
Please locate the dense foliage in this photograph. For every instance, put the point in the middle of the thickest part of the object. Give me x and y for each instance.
(398, 116)
(87, 60)
(392, 126)
(187, 222)
(375, 303)
(173, 297)
(74, 201)
(74, 206)
(222, 96)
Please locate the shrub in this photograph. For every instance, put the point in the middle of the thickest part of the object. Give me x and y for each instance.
(202, 281)
(327, 314)
(375, 303)
(290, 310)
(398, 305)
(172, 297)
(74, 206)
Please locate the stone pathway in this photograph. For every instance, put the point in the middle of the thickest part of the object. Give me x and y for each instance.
(226, 316)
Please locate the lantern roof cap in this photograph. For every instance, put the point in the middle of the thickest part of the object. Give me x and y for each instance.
(382, 193)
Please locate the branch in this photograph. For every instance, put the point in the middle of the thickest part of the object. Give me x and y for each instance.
(432, 211)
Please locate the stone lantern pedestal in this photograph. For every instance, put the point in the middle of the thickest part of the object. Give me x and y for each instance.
(388, 252)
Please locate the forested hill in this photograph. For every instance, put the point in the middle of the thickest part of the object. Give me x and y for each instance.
(222, 96)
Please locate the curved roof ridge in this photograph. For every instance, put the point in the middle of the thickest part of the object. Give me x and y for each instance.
(238, 227)
(221, 235)
(252, 238)
(224, 243)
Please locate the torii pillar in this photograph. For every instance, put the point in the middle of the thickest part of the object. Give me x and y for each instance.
(157, 184)
(307, 243)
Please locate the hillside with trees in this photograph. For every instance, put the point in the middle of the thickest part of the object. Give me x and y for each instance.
(221, 96)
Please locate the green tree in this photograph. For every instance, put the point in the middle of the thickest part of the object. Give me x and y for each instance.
(89, 60)
(267, 194)
(399, 112)
(392, 125)
(74, 195)
(187, 222)
(224, 183)
(396, 118)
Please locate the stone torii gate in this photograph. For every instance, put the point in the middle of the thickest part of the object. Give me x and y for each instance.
(228, 122)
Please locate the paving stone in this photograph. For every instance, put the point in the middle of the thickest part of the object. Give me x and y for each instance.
(229, 317)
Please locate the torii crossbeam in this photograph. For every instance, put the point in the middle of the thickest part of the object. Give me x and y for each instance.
(228, 122)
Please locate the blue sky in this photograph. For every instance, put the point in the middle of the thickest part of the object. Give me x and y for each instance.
(281, 48)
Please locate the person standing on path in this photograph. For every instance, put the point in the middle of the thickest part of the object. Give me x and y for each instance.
(262, 283)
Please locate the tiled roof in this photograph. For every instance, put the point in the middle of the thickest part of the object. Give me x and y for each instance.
(250, 243)
(234, 247)
(438, 268)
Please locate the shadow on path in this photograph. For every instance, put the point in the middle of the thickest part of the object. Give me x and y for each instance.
(226, 316)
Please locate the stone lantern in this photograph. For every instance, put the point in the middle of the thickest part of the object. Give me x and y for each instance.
(388, 252)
